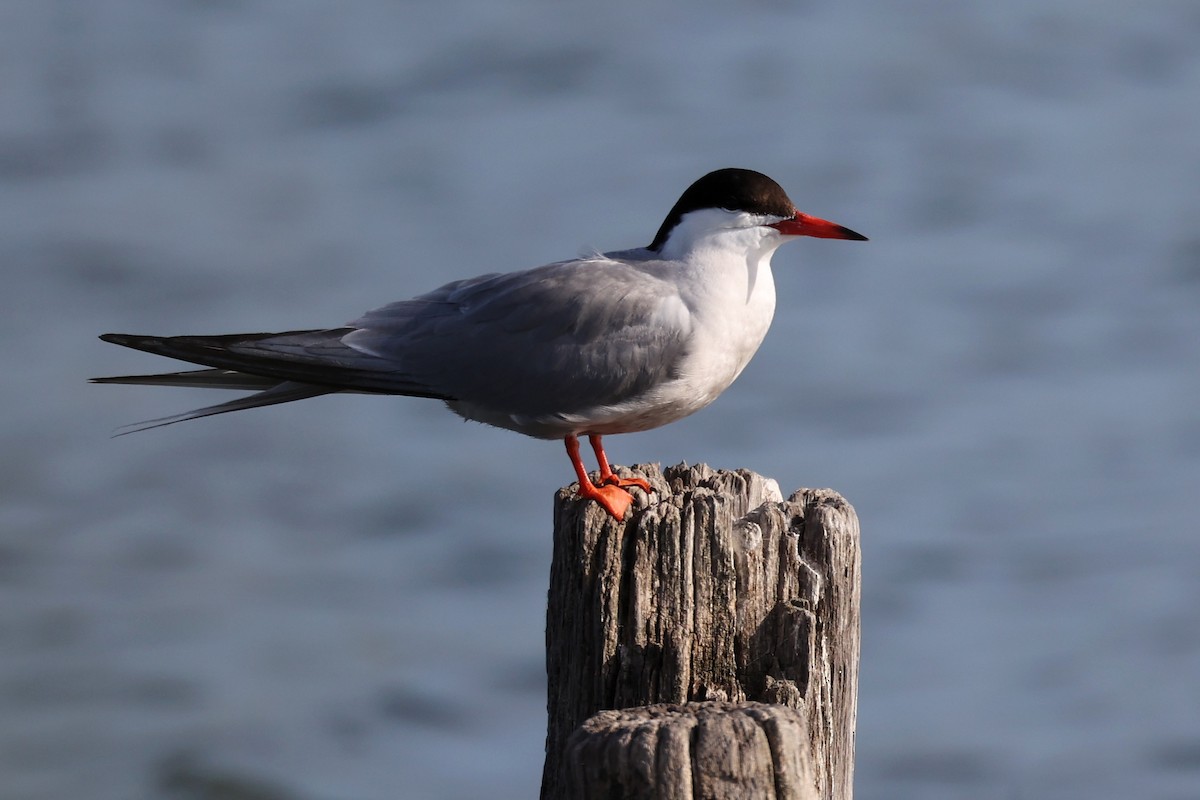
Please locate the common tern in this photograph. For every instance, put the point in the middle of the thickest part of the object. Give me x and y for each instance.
(608, 343)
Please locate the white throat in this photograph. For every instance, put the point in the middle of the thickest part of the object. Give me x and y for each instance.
(719, 246)
(724, 260)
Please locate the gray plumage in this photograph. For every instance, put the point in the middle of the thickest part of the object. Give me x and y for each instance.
(501, 341)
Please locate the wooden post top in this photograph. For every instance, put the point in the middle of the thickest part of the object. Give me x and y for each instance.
(714, 588)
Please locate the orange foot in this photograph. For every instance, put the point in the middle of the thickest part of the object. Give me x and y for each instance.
(612, 480)
(615, 500)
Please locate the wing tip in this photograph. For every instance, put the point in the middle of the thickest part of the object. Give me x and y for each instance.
(134, 341)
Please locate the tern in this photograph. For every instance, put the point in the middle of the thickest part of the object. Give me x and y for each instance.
(609, 343)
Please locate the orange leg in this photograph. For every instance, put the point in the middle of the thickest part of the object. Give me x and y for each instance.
(614, 499)
(606, 473)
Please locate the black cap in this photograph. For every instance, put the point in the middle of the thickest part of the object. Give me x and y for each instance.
(733, 190)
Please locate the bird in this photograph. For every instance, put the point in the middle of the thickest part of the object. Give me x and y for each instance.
(606, 343)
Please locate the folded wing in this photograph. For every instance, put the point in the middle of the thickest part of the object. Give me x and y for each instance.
(551, 340)
(555, 339)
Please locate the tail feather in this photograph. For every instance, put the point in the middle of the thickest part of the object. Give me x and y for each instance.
(284, 392)
(197, 379)
(281, 367)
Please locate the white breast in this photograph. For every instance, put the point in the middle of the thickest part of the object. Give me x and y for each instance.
(724, 278)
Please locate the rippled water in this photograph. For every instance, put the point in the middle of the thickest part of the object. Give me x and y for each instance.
(344, 598)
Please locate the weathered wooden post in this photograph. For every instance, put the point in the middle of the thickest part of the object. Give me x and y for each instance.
(706, 646)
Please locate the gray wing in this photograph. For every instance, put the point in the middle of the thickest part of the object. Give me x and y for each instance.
(550, 340)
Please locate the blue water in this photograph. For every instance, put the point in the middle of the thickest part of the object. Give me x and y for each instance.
(344, 598)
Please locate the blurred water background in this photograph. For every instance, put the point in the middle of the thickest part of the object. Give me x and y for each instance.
(344, 598)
